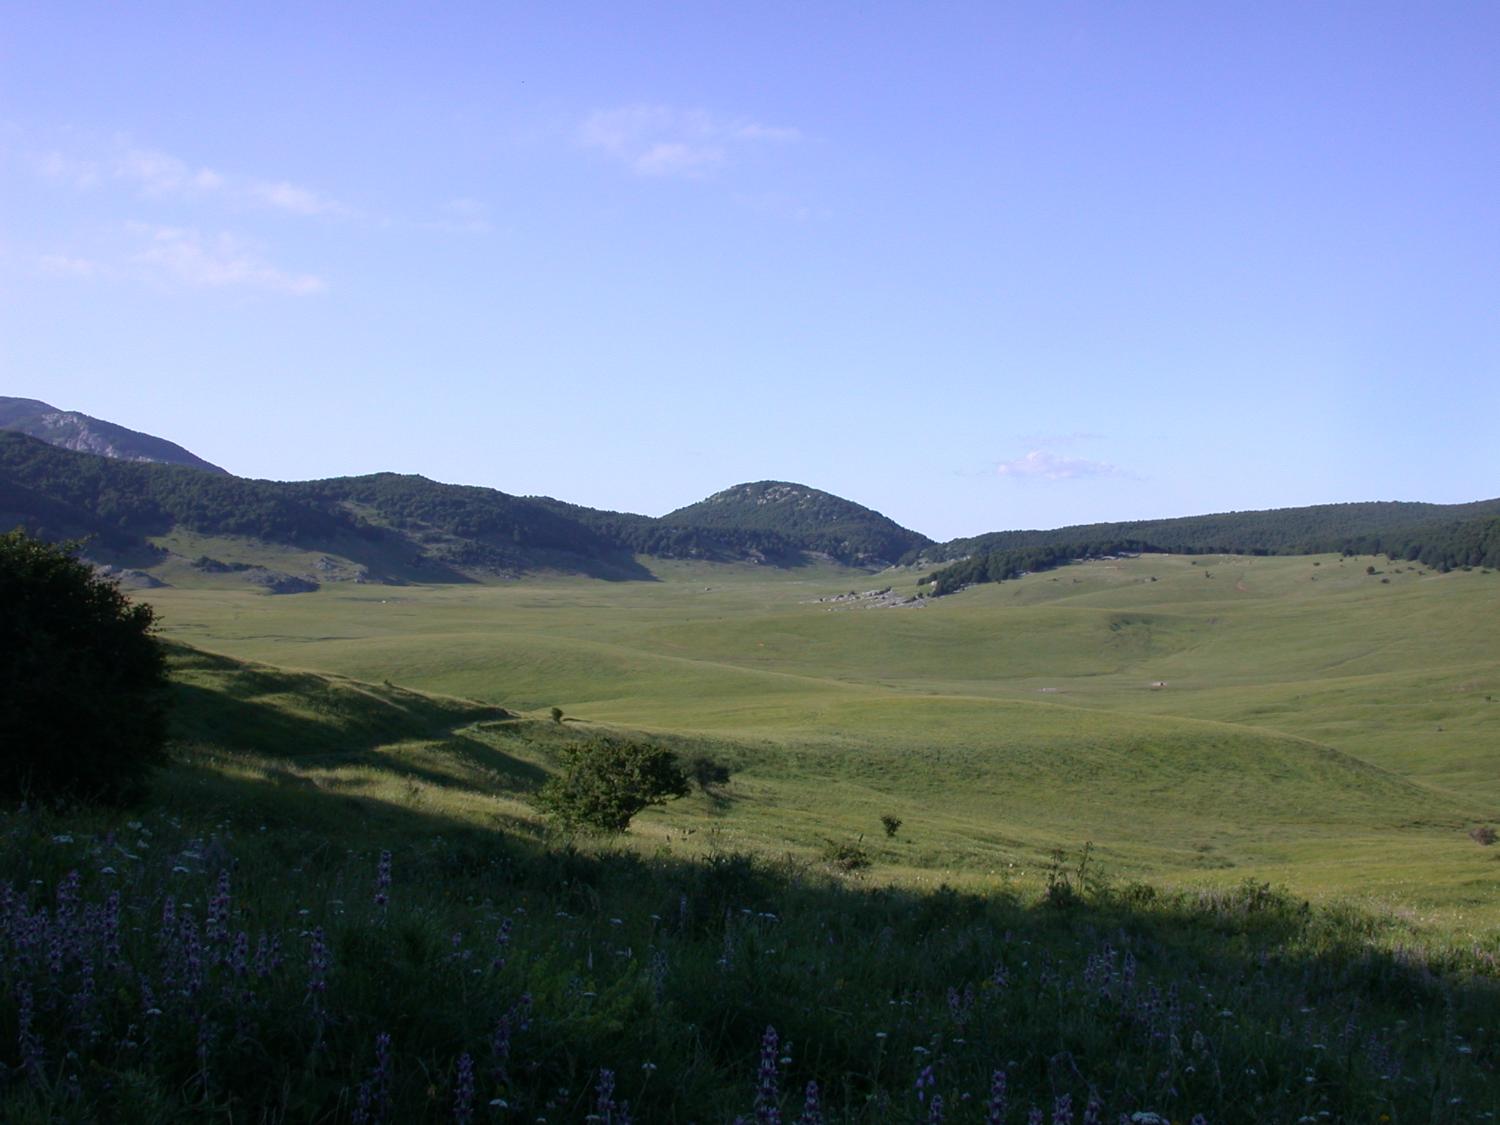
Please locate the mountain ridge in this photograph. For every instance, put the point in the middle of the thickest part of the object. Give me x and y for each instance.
(404, 527)
(82, 433)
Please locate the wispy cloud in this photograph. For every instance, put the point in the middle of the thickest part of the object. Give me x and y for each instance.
(462, 216)
(62, 168)
(65, 265)
(157, 174)
(154, 174)
(298, 200)
(189, 257)
(657, 140)
(1042, 464)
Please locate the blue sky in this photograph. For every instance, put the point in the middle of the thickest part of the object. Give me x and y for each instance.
(979, 266)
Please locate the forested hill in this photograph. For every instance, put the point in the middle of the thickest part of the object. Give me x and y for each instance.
(72, 430)
(392, 526)
(1321, 527)
(807, 517)
(1442, 545)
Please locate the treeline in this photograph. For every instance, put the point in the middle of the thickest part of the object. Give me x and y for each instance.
(1277, 531)
(1443, 547)
(999, 566)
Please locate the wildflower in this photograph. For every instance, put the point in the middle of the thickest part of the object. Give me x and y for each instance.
(1062, 1110)
(218, 910)
(317, 964)
(30, 1042)
(925, 1081)
(604, 1097)
(383, 881)
(500, 1050)
(812, 1110)
(995, 1107)
(935, 1110)
(502, 942)
(768, 1081)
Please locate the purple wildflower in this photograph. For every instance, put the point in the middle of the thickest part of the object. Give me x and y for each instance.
(502, 943)
(500, 1051)
(925, 1081)
(935, 1110)
(812, 1108)
(604, 1096)
(30, 1043)
(383, 881)
(1093, 1111)
(768, 1081)
(995, 1107)
(218, 910)
(239, 957)
(1062, 1110)
(463, 1091)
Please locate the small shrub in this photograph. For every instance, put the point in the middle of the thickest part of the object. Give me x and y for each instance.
(1483, 835)
(890, 824)
(707, 773)
(847, 856)
(557, 714)
(604, 783)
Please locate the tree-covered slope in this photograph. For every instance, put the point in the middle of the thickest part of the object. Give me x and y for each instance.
(806, 518)
(71, 430)
(1320, 527)
(439, 530)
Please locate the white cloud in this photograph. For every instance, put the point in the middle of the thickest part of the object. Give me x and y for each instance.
(191, 258)
(58, 166)
(463, 216)
(290, 197)
(1040, 464)
(157, 173)
(62, 265)
(160, 175)
(657, 140)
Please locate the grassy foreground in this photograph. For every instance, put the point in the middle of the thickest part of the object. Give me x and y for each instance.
(319, 921)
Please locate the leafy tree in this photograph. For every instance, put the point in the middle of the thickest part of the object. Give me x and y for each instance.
(83, 680)
(605, 782)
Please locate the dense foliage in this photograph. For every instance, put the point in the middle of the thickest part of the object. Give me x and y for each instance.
(806, 517)
(1278, 531)
(604, 782)
(1443, 547)
(82, 679)
(117, 504)
(998, 566)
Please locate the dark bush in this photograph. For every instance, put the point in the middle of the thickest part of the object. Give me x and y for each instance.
(83, 680)
(1483, 835)
(605, 782)
(846, 856)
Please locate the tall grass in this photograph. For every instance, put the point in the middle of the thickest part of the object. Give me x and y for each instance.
(176, 968)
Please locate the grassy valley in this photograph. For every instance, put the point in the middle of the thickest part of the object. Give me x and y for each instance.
(1246, 895)
(1184, 836)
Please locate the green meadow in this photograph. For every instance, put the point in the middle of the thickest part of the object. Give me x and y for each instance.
(1198, 720)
